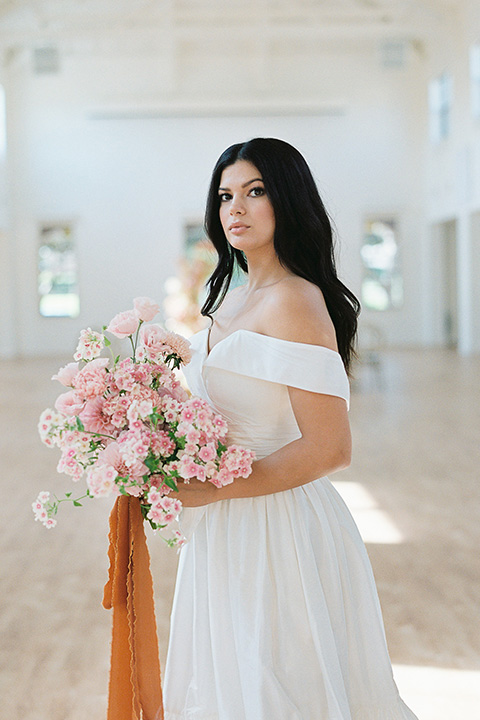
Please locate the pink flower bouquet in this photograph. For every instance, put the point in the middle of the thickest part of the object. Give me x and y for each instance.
(128, 427)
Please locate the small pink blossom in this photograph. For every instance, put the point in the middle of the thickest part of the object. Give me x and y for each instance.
(145, 308)
(101, 480)
(207, 452)
(193, 436)
(162, 443)
(179, 539)
(70, 464)
(90, 345)
(187, 414)
(50, 426)
(156, 515)
(188, 467)
(154, 496)
(139, 409)
(66, 374)
(124, 324)
(223, 477)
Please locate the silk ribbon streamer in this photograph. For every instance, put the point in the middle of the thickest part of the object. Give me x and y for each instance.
(135, 691)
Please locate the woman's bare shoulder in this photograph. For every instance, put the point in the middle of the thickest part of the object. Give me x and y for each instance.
(295, 310)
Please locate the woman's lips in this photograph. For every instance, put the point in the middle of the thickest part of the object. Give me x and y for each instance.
(238, 228)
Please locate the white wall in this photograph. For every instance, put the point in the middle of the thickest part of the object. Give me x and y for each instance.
(129, 185)
(453, 176)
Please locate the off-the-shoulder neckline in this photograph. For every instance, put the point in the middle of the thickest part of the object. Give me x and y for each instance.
(208, 351)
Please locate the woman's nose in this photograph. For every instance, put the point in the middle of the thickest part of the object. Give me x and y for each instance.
(237, 207)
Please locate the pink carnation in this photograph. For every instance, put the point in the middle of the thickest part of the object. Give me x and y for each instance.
(92, 379)
(113, 456)
(93, 417)
(179, 345)
(145, 308)
(124, 324)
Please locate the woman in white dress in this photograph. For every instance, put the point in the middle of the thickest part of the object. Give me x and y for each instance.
(276, 614)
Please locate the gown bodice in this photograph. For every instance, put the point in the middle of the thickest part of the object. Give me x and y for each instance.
(246, 377)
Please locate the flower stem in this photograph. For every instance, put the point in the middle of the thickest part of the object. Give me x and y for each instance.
(133, 347)
(136, 339)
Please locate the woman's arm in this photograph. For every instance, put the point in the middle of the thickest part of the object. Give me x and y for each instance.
(323, 448)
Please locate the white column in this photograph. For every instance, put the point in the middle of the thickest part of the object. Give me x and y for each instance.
(8, 344)
(464, 292)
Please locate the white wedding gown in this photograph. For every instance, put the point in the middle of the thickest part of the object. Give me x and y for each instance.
(276, 614)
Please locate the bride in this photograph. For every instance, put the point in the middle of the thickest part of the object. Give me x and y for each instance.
(276, 614)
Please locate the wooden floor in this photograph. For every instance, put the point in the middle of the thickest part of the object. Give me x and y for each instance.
(413, 487)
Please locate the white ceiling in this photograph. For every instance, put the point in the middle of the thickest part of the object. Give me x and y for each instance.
(28, 20)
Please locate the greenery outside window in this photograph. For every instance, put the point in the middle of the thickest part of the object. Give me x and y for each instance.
(57, 272)
(382, 285)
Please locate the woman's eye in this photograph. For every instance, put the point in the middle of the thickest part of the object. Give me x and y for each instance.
(224, 197)
(257, 191)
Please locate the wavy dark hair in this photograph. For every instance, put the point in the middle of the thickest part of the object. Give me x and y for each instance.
(303, 238)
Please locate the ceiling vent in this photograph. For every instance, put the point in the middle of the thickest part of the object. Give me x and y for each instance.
(393, 53)
(46, 60)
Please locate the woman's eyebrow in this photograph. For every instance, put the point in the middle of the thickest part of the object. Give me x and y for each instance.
(249, 182)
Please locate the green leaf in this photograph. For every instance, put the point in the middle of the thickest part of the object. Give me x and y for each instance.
(168, 480)
(77, 504)
(151, 463)
(117, 359)
(107, 342)
(68, 494)
(80, 424)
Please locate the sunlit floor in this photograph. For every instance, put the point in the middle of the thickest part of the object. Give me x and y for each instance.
(413, 487)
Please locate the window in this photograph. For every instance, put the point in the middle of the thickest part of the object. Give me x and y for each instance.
(440, 105)
(475, 79)
(382, 286)
(57, 272)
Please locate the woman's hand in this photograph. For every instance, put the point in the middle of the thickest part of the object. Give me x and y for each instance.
(196, 493)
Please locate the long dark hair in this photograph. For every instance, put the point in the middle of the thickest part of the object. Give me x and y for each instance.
(303, 238)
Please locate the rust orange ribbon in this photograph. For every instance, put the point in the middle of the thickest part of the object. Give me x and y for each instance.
(135, 691)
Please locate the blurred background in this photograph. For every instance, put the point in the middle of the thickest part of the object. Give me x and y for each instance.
(112, 115)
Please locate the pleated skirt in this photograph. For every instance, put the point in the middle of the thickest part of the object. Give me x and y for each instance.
(276, 615)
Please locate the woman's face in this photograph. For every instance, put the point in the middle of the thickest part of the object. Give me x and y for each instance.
(246, 212)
